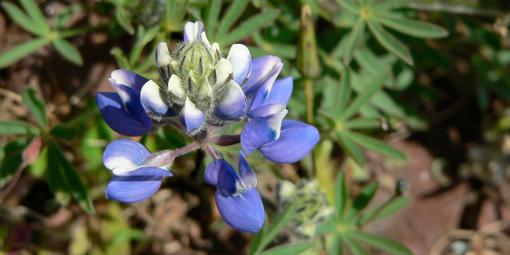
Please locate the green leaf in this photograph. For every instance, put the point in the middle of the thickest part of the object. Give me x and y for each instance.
(287, 249)
(68, 51)
(351, 148)
(12, 157)
(353, 246)
(349, 5)
(364, 197)
(350, 42)
(410, 27)
(249, 26)
(21, 19)
(389, 42)
(374, 145)
(275, 48)
(35, 106)
(325, 227)
(20, 51)
(64, 132)
(235, 10)
(362, 123)
(390, 4)
(341, 195)
(122, 17)
(385, 210)
(64, 178)
(383, 243)
(277, 226)
(362, 98)
(213, 16)
(37, 16)
(16, 127)
(336, 246)
(120, 58)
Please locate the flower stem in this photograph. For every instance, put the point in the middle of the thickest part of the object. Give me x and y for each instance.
(309, 99)
(225, 140)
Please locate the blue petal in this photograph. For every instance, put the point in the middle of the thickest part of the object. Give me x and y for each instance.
(138, 186)
(227, 178)
(191, 117)
(281, 92)
(131, 101)
(118, 118)
(261, 130)
(244, 211)
(211, 172)
(265, 88)
(127, 78)
(240, 59)
(192, 31)
(246, 173)
(261, 69)
(296, 140)
(233, 105)
(124, 155)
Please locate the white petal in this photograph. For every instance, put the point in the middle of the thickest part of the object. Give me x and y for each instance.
(203, 37)
(152, 100)
(192, 31)
(240, 59)
(223, 71)
(175, 87)
(192, 118)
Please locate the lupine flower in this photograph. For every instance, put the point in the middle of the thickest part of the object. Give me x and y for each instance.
(202, 91)
(237, 198)
(136, 174)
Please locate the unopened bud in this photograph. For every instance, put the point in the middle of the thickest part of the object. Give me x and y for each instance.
(308, 61)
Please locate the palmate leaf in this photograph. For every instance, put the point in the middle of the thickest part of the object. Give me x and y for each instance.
(16, 127)
(353, 246)
(295, 248)
(363, 98)
(35, 105)
(20, 51)
(372, 144)
(363, 123)
(213, 16)
(380, 242)
(37, 16)
(385, 210)
(390, 4)
(389, 42)
(352, 149)
(281, 221)
(341, 196)
(349, 5)
(21, 19)
(249, 26)
(348, 44)
(365, 196)
(234, 11)
(409, 26)
(64, 178)
(68, 51)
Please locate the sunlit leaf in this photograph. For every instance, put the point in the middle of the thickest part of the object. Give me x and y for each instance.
(385, 210)
(341, 195)
(362, 99)
(295, 248)
(380, 242)
(35, 13)
(351, 148)
(348, 45)
(373, 144)
(21, 19)
(13, 55)
(353, 246)
(68, 51)
(16, 127)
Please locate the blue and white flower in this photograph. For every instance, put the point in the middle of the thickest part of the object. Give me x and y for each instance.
(201, 92)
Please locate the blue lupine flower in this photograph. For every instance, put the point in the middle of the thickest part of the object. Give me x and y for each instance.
(123, 111)
(202, 91)
(135, 176)
(236, 197)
